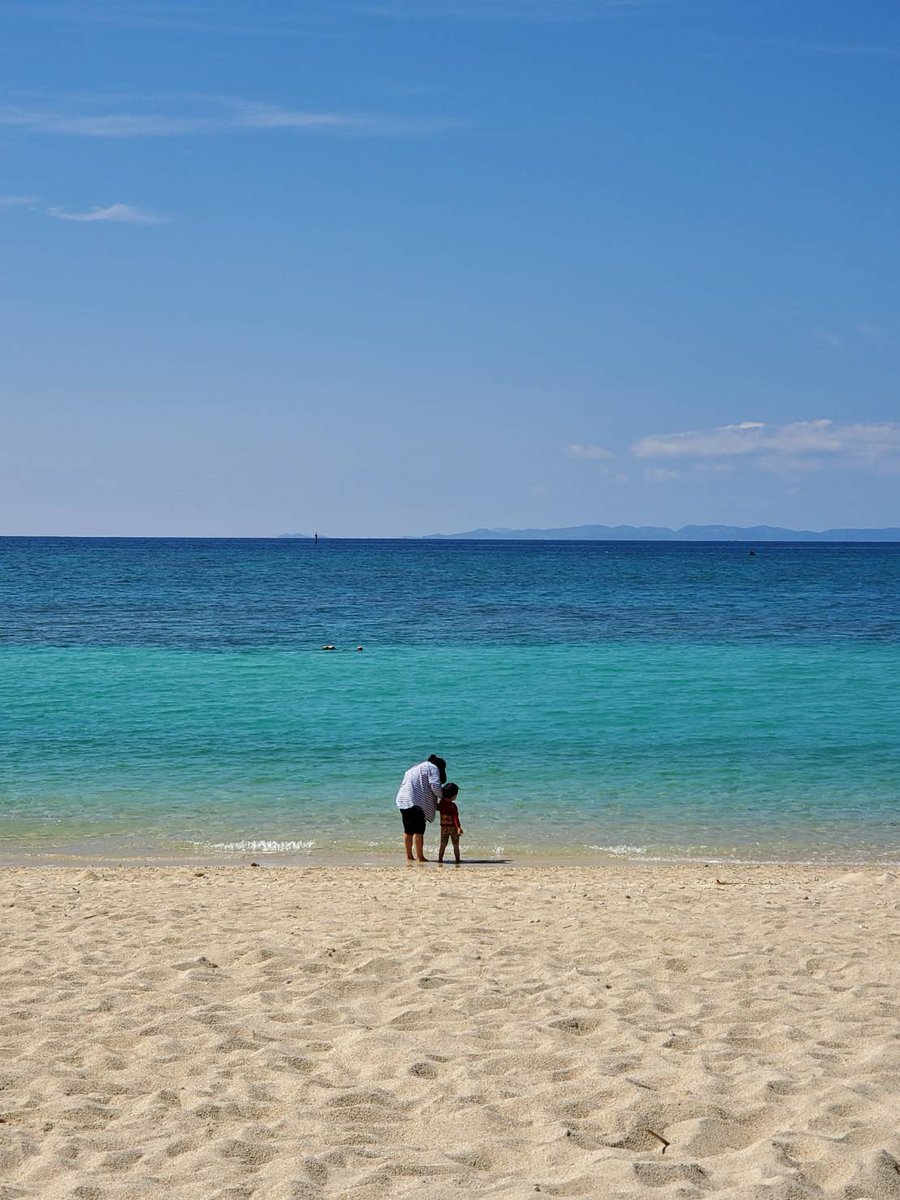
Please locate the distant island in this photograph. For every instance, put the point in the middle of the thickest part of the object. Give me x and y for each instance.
(687, 533)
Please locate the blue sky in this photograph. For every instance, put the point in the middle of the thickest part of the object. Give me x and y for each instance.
(390, 267)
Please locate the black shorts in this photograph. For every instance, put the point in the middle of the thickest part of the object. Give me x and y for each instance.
(413, 819)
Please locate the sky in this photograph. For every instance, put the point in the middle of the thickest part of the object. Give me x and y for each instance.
(398, 267)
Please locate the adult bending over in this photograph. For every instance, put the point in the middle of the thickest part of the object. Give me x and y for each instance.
(417, 800)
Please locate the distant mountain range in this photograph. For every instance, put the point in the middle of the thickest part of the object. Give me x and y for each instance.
(687, 533)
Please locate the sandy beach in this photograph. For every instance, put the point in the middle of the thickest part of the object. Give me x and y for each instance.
(424, 1031)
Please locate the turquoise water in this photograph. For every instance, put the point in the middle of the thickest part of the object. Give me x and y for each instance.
(169, 698)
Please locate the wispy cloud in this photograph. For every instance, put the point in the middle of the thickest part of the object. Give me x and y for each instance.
(121, 214)
(100, 125)
(870, 331)
(845, 49)
(851, 336)
(828, 337)
(660, 474)
(594, 453)
(17, 202)
(504, 10)
(798, 447)
(178, 117)
(238, 18)
(242, 17)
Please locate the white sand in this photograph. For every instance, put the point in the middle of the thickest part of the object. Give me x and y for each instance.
(428, 1032)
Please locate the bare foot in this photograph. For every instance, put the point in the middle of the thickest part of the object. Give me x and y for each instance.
(423, 860)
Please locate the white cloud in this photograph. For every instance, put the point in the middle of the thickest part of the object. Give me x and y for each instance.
(122, 214)
(94, 118)
(800, 446)
(594, 453)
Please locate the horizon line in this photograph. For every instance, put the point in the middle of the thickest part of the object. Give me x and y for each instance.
(499, 535)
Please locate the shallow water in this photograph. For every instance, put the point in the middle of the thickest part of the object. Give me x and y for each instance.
(592, 699)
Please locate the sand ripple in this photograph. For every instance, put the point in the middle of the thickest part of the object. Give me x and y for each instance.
(291, 1034)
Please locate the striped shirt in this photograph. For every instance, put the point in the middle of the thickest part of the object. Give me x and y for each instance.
(421, 787)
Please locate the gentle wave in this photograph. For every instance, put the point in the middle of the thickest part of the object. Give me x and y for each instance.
(258, 846)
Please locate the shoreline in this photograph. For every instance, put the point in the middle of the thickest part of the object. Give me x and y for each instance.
(325, 859)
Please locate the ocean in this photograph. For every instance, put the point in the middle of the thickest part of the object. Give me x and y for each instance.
(169, 700)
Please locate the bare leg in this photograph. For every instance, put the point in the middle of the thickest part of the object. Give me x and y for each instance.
(442, 848)
(408, 843)
(420, 846)
(456, 849)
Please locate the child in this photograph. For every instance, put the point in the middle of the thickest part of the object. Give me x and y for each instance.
(450, 826)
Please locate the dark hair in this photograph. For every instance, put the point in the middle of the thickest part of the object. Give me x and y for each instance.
(437, 761)
(448, 791)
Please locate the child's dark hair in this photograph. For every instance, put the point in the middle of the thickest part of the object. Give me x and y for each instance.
(449, 791)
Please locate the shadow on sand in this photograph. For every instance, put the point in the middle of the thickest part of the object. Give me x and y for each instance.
(477, 862)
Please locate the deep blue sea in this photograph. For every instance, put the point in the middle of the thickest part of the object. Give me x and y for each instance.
(162, 699)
